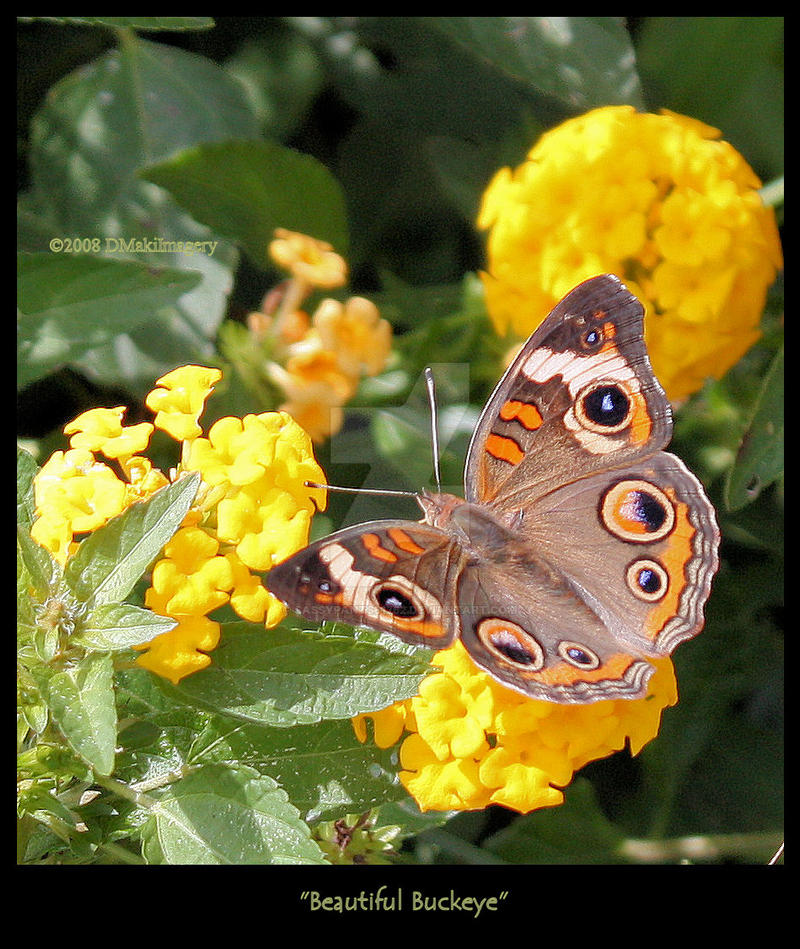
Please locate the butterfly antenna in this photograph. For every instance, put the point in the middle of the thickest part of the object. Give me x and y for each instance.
(776, 856)
(343, 490)
(431, 387)
(434, 426)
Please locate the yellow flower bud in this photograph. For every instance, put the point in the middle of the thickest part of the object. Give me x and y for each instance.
(310, 260)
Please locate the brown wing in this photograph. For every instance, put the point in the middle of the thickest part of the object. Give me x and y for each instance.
(393, 576)
(580, 397)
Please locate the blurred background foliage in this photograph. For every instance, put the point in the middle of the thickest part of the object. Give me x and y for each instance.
(408, 118)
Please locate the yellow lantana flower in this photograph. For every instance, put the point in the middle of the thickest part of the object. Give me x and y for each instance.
(73, 493)
(184, 649)
(256, 511)
(388, 725)
(319, 361)
(355, 333)
(313, 261)
(102, 430)
(264, 461)
(192, 578)
(252, 509)
(472, 742)
(143, 479)
(180, 398)
(659, 200)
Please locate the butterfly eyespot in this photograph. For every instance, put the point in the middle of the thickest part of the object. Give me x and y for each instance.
(397, 603)
(325, 586)
(511, 643)
(604, 407)
(647, 580)
(637, 511)
(607, 405)
(512, 649)
(577, 655)
(591, 338)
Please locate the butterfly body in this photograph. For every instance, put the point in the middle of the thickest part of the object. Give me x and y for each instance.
(581, 549)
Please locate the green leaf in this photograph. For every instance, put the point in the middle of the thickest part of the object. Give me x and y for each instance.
(759, 460)
(245, 190)
(227, 815)
(158, 734)
(71, 305)
(281, 677)
(42, 568)
(172, 23)
(37, 799)
(406, 82)
(81, 702)
(95, 129)
(582, 61)
(324, 769)
(26, 472)
(116, 626)
(576, 832)
(282, 75)
(131, 107)
(111, 559)
(37, 570)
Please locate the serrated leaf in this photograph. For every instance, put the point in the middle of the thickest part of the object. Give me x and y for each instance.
(227, 815)
(324, 768)
(158, 736)
(81, 703)
(42, 568)
(40, 801)
(70, 305)
(759, 460)
(111, 559)
(244, 190)
(26, 472)
(115, 626)
(282, 678)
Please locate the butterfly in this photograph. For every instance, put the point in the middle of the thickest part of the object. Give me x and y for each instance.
(581, 550)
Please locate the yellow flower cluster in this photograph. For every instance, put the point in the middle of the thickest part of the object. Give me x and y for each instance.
(75, 493)
(252, 510)
(318, 361)
(473, 742)
(659, 200)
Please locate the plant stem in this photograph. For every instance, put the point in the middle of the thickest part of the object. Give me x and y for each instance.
(772, 193)
(754, 848)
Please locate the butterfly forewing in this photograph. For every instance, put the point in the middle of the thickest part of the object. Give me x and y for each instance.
(395, 576)
(579, 397)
